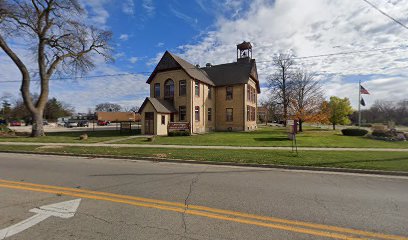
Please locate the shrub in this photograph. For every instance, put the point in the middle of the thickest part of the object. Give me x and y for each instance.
(380, 133)
(178, 133)
(354, 132)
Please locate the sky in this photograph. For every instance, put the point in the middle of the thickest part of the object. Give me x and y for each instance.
(207, 31)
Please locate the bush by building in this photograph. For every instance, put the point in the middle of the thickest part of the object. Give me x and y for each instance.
(179, 133)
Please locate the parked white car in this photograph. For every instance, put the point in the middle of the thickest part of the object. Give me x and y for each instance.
(71, 124)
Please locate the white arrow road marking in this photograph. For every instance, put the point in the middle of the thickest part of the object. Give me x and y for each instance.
(65, 209)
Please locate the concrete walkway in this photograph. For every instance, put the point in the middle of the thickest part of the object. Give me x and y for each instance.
(123, 139)
(200, 147)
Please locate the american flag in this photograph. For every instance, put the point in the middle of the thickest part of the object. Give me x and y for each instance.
(363, 90)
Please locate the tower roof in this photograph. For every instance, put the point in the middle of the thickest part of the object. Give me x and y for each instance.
(244, 45)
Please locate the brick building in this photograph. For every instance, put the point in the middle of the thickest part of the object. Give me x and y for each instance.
(211, 98)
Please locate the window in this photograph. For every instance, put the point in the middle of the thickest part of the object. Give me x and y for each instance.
(182, 113)
(230, 114)
(209, 114)
(197, 88)
(197, 113)
(163, 119)
(169, 89)
(182, 88)
(209, 92)
(248, 113)
(248, 93)
(157, 90)
(229, 93)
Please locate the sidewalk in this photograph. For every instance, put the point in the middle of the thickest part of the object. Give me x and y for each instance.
(200, 147)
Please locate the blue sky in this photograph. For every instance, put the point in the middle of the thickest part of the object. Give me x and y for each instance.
(204, 31)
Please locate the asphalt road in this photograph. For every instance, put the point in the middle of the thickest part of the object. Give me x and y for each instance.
(148, 200)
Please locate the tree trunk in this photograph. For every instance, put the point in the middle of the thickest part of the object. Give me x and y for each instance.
(334, 126)
(38, 127)
(300, 125)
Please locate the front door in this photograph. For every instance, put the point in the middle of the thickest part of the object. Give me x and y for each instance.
(149, 123)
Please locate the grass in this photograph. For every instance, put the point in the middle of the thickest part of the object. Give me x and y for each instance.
(274, 137)
(69, 137)
(264, 136)
(391, 161)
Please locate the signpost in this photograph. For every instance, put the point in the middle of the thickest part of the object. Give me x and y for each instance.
(291, 128)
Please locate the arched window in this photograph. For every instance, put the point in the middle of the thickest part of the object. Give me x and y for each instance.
(169, 89)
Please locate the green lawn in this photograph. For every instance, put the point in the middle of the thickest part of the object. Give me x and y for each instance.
(392, 161)
(69, 137)
(274, 136)
(264, 136)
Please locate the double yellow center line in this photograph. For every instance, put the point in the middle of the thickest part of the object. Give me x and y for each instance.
(232, 216)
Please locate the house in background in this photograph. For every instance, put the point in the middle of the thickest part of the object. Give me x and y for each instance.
(212, 98)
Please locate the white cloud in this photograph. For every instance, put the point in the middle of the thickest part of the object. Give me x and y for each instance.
(128, 7)
(186, 18)
(133, 59)
(149, 7)
(160, 44)
(97, 13)
(316, 27)
(124, 37)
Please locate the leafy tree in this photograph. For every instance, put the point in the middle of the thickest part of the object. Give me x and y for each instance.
(56, 109)
(52, 111)
(307, 97)
(340, 109)
(5, 109)
(108, 107)
(61, 39)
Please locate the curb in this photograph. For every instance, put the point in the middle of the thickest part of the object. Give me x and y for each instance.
(254, 165)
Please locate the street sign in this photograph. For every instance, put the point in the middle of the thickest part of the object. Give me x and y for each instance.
(65, 209)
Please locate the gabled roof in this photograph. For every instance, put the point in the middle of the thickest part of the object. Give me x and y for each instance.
(161, 106)
(216, 75)
(233, 73)
(170, 61)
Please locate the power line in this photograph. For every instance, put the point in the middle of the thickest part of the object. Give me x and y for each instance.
(386, 14)
(343, 53)
(264, 61)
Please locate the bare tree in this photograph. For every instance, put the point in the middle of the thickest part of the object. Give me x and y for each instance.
(60, 38)
(108, 107)
(307, 96)
(280, 82)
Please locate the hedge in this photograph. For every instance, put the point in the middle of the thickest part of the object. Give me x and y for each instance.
(354, 132)
(179, 133)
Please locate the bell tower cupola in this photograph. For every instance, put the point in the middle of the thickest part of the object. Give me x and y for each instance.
(244, 51)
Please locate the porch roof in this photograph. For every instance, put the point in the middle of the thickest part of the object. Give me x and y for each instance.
(161, 106)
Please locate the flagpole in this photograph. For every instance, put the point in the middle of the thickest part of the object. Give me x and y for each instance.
(359, 103)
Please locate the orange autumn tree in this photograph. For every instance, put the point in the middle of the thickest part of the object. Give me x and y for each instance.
(307, 98)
